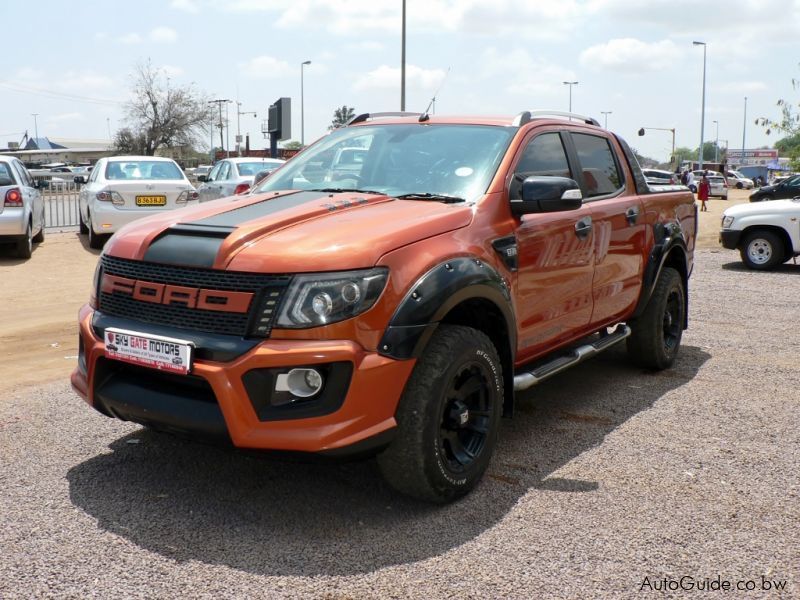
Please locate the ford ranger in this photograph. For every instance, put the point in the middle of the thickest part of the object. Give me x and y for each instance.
(394, 307)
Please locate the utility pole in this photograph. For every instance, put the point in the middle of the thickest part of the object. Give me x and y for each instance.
(239, 113)
(35, 127)
(605, 113)
(219, 102)
(744, 126)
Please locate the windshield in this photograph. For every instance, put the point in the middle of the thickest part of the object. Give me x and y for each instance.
(456, 161)
(143, 169)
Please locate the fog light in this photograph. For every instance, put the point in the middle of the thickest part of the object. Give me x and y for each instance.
(302, 383)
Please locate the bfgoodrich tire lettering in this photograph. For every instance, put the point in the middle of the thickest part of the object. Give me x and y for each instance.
(656, 335)
(448, 417)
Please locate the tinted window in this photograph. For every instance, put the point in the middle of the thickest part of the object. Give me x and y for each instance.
(600, 172)
(5, 172)
(543, 156)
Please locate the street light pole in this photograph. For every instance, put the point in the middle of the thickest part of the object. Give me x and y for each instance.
(239, 113)
(716, 143)
(605, 113)
(35, 127)
(570, 84)
(403, 63)
(744, 125)
(302, 109)
(672, 130)
(703, 107)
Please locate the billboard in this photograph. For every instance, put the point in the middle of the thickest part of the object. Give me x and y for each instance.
(752, 158)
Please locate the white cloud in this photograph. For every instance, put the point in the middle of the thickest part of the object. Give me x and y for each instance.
(130, 38)
(386, 77)
(528, 76)
(164, 35)
(29, 74)
(185, 5)
(171, 70)
(265, 67)
(631, 55)
(85, 81)
(740, 87)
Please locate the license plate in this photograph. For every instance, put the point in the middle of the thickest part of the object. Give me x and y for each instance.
(155, 351)
(151, 200)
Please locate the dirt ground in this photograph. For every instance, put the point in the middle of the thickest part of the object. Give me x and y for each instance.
(40, 298)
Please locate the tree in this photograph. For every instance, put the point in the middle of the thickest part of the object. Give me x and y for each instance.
(293, 145)
(160, 114)
(789, 121)
(128, 142)
(341, 116)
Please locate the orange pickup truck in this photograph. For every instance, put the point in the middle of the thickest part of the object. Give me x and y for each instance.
(392, 306)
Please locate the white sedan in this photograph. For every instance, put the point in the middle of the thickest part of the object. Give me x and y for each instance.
(122, 189)
(233, 176)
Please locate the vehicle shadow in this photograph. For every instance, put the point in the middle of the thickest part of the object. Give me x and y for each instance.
(193, 502)
(84, 240)
(790, 267)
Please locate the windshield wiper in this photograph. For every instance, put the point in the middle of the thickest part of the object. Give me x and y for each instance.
(333, 190)
(430, 196)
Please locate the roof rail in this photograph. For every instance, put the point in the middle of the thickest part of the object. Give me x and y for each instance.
(364, 116)
(527, 115)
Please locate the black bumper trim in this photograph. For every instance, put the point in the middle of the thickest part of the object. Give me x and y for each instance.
(730, 239)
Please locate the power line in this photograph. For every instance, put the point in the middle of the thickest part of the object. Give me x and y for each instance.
(58, 95)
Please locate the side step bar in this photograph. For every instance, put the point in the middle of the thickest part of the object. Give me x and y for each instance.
(525, 380)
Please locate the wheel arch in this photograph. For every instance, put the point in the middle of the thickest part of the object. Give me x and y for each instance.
(461, 291)
(670, 252)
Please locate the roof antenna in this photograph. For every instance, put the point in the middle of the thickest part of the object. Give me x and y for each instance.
(432, 104)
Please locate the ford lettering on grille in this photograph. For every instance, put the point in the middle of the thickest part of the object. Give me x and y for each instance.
(190, 297)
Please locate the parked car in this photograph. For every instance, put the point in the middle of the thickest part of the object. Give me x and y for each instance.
(659, 177)
(233, 176)
(717, 186)
(121, 189)
(739, 181)
(472, 258)
(765, 234)
(21, 207)
(698, 175)
(787, 188)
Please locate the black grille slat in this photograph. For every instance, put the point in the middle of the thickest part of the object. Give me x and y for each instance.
(181, 316)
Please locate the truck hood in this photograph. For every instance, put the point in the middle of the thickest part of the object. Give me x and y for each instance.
(773, 207)
(287, 232)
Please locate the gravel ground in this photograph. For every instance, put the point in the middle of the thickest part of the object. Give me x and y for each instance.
(606, 476)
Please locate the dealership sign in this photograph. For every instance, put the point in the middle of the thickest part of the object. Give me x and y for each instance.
(746, 158)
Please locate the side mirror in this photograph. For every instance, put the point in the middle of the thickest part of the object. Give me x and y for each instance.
(202, 178)
(260, 176)
(79, 179)
(548, 194)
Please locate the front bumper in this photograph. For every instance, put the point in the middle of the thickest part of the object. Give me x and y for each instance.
(729, 238)
(221, 399)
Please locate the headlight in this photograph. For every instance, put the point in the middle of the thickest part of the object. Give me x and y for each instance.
(324, 298)
(98, 275)
(727, 222)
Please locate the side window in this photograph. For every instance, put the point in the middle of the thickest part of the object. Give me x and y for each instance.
(543, 156)
(95, 172)
(19, 173)
(600, 171)
(225, 171)
(214, 174)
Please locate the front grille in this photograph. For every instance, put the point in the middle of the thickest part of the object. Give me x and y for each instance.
(179, 315)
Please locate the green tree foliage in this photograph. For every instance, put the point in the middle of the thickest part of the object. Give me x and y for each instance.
(341, 116)
(293, 145)
(160, 114)
(789, 120)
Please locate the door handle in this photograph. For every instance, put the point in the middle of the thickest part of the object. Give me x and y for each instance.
(583, 227)
(632, 215)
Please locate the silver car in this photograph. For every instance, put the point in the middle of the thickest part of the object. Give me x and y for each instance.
(21, 207)
(233, 176)
(122, 189)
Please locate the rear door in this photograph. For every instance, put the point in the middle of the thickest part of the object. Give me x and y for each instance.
(619, 226)
(555, 255)
(31, 196)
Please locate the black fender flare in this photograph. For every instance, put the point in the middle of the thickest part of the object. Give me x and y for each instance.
(437, 292)
(669, 238)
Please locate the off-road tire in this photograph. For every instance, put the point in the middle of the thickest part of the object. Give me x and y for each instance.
(762, 250)
(25, 244)
(436, 455)
(656, 334)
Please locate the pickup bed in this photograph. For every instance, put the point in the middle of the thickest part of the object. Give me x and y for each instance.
(395, 307)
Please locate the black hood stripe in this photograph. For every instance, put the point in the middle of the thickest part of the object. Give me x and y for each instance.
(269, 206)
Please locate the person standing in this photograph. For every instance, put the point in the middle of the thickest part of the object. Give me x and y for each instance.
(690, 179)
(702, 193)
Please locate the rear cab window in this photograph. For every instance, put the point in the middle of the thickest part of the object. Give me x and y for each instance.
(602, 175)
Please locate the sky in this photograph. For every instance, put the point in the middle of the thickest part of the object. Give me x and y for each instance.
(73, 62)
